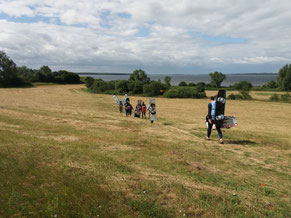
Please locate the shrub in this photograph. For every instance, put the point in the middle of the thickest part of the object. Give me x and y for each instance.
(28, 75)
(242, 85)
(275, 97)
(245, 94)
(111, 84)
(234, 97)
(184, 92)
(89, 81)
(99, 86)
(152, 89)
(64, 77)
(191, 84)
(271, 85)
(122, 86)
(182, 83)
(200, 87)
(136, 87)
(286, 97)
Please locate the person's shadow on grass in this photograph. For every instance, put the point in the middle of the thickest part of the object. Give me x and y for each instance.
(240, 142)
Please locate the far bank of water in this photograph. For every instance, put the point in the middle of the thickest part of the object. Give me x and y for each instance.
(255, 79)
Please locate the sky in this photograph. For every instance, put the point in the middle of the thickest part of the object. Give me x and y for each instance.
(160, 37)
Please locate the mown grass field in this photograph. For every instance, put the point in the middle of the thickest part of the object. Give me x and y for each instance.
(68, 153)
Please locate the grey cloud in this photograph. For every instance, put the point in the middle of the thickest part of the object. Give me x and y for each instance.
(264, 25)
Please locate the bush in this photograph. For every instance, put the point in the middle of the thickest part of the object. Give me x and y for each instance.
(184, 92)
(136, 87)
(152, 89)
(242, 85)
(99, 86)
(245, 94)
(64, 77)
(200, 87)
(111, 84)
(234, 97)
(182, 83)
(275, 97)
(26, 74)
(89, 81)
(286, 97)
(270, 85)
(122, 86)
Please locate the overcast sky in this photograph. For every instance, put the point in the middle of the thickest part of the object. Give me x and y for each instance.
(165, 36)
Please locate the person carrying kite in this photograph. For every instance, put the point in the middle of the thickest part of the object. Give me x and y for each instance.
(128, 107)
(120, 106)
(211, 119)
(143, 110)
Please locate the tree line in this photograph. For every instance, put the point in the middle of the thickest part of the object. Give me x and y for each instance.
(12, 76)
(140, 84)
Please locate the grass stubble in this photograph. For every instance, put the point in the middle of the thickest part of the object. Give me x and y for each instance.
(65, 152)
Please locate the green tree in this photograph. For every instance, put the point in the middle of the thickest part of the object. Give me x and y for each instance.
(28, 75)
(201, 87)
(122, 86)
(8, 70)
(182, 83)
(284, 78)
(99, 86)
(139, 75)
(64, 77)
(152, 89)
(167, 81)
(244, 88)
(217, 78)
(44, 74)
(89, 81)
(271, 85)
(45, 70)
(135, 87)
(184, 92)
(243, 85)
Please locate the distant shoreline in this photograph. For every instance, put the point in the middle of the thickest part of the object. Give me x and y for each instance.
(257, 79)
(127, 74)
(118, 74)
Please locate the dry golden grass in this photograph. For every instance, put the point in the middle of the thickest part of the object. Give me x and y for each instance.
(135, 168)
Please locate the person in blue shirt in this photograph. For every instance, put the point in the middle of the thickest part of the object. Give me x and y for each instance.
(210, 118)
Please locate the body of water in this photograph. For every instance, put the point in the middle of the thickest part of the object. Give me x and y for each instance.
(255, 79)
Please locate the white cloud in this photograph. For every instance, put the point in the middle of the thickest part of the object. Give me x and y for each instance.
(93, 35)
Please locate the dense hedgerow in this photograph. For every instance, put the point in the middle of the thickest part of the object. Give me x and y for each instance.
(139, 83)
(284, 97)
(184, 92)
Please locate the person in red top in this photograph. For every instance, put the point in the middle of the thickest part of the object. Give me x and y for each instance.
(143, 110)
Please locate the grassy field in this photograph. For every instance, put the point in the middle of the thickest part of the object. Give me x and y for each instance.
(68, 153)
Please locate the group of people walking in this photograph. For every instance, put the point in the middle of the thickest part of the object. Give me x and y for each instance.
(140, 109)
(215, 114)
